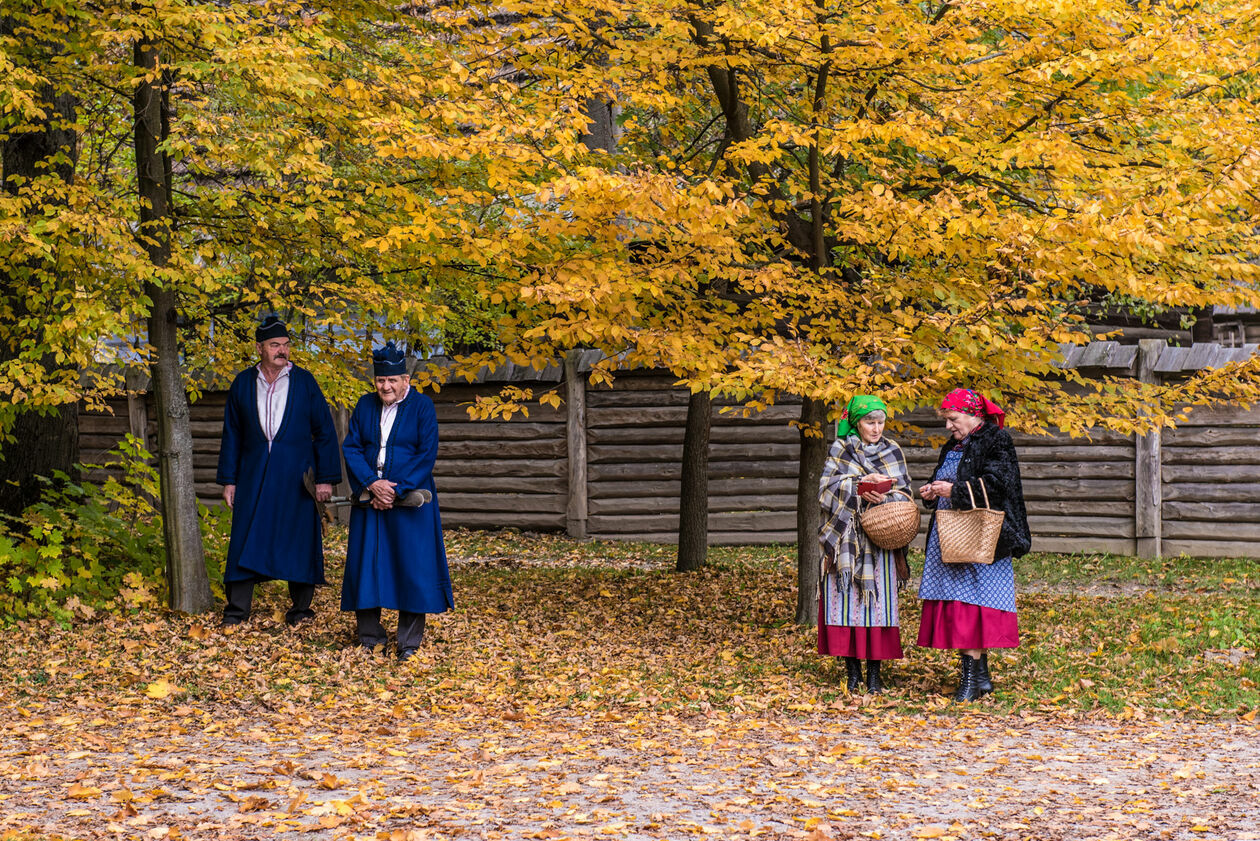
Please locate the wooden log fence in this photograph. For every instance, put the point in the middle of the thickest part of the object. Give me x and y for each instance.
(607, 464)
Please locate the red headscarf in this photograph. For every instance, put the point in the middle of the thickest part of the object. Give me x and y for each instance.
(973, 403)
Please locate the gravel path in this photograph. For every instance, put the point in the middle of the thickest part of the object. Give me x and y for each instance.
(168, 770)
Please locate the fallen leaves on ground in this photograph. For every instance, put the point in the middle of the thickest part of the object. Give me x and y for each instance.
(568, 700)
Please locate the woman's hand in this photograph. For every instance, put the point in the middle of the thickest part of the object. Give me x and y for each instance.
(383, 494)
(926, 492)
(942, 490)
(874, 497)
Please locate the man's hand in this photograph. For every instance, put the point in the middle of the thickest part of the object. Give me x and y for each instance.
(383, 494)
(229, 494)
(323, 492)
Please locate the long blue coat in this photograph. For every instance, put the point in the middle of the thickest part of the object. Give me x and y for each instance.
(396, 558)
(275, 522)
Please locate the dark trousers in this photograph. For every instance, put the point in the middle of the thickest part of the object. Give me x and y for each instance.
(372, 633)
(240, 601)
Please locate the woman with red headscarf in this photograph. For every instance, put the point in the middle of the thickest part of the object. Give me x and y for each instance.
(971, 607)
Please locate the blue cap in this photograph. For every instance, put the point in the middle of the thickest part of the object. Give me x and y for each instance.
(388, 361)
(271, 328)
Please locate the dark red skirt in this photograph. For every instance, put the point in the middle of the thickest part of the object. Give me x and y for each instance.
(860, 642)
(950, 624)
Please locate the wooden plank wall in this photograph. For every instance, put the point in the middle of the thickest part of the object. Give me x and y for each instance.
(1211, 485)
(492, 474)
(634, 439)
(496, 474)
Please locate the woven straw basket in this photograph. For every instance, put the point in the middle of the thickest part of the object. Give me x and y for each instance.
(969, 537)
(892, 524)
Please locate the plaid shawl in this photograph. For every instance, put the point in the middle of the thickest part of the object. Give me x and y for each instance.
(845, 548)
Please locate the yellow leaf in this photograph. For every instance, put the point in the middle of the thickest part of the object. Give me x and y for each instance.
(160, 689)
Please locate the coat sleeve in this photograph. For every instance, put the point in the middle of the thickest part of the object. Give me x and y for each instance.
(420, 474)
(998, 466)
(354, 448)
(324, 436)
(230, 444)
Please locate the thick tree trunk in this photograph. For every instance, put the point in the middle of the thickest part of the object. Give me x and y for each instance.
(185, 557)
(601, 129)
(808, 515)
(693, 505)
(44, 442)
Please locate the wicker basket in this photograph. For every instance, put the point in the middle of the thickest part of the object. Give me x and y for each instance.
(892, 524)
(969, 537)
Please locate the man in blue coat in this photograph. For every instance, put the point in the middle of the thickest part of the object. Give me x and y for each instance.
(396, 558)
(276, 425)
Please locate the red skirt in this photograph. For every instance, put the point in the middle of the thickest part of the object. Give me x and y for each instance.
(861, 642)
(950, 624)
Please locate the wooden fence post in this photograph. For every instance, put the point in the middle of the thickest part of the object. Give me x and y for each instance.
(575, 426)
(1148, 481)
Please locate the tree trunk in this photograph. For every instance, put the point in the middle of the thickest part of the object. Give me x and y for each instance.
(186, 576)
(808, 515)
(43, 442)
(693, 505)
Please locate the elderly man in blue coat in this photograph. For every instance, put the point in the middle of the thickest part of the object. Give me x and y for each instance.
(396, 558)
(276, 425)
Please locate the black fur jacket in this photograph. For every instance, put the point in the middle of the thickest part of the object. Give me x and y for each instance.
(989, 454)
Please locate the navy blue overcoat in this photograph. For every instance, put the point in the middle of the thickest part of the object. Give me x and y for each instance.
(275, 522)
(396, 558)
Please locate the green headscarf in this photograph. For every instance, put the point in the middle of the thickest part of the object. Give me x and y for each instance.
(859, 407)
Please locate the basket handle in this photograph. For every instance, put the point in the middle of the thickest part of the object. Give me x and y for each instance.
(983, 490)
(893, 491)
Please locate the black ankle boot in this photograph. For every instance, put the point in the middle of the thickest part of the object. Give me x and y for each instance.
(969, 668)
(873, 684)
(984, 682)
(853, 666)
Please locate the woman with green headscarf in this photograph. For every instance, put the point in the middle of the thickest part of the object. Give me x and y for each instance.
(857, 610)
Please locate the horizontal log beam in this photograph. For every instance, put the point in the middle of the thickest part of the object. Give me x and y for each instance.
(1218, 456)
(1074, 545)
(489, 469)
(553, 448)
(1241, 492)
(717, 470)
(1195, 530)
(1081, 526)
(503, 519)
(1175, 474)
(717, 487)
(1211, 436)
(716, 538)
(502, 502)
(739, 434)
(475, 483)
(1081, 489)
(500, 431)
(669, 504)
(642, 453)
(1212, 548)
(748, 521)
(1213, 512)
